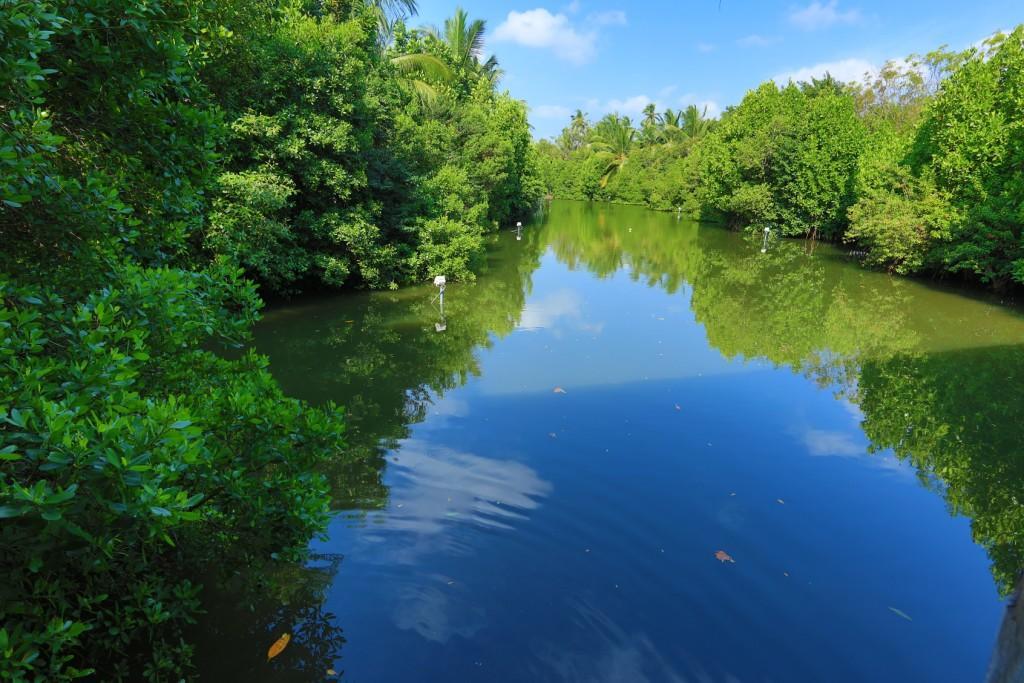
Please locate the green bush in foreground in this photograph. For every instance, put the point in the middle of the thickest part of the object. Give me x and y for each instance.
(132, 462)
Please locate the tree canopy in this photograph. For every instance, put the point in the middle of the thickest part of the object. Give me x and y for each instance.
(915, 167)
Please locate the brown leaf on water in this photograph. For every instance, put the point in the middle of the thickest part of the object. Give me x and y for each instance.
(560, 390)
(278, 647)
(332, 672)
(723, 556)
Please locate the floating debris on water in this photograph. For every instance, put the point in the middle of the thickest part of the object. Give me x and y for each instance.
(900, 613)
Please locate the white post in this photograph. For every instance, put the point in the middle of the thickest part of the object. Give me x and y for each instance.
(440, 281)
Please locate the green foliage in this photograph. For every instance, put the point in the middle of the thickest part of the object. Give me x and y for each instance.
(971, 140)
(305, 196)
(151, 156)
(956, 418)
(784, 156)
(613, 161)
(133, 459)
(899, 217)
(917, 167)
(335, 145)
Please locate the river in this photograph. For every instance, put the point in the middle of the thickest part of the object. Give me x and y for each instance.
(640, 449)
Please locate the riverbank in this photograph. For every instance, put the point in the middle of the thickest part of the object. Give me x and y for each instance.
(915, 181)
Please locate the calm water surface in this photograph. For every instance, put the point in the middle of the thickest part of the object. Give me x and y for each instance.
(540, 477)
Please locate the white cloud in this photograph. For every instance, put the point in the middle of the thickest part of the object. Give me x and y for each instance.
(635, 105)
(846, 70)
(563, 308)
(823, 442)
(552, 111)
(705, 47)
(840, 444)
(817, 15)
(755, 40)
(539, 28)
(573, 7)
(629, 106)
(611, 18)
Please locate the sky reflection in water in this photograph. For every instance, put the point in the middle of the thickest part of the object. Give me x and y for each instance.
(836, 431)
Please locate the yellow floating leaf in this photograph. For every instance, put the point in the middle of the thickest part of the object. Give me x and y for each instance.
(723, 556)
(278, 647)
(332, 672)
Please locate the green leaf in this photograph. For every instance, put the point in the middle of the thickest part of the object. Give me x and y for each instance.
(63, 496)
(160, 512)
(9, 454)
(181, 424)
(7, 511)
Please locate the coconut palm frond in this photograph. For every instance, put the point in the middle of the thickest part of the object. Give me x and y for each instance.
(424, 65)
(425, 92)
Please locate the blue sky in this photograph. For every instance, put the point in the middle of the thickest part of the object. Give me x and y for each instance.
(606, 55)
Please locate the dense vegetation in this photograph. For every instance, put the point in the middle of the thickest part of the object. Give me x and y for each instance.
(917, 167)
(159, 161)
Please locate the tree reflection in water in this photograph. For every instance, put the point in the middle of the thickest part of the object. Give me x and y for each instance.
(934, 373)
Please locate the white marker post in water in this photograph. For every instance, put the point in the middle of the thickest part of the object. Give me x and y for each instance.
(440, 281)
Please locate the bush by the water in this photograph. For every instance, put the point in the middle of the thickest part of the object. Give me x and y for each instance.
(154, 156)
(918, 166)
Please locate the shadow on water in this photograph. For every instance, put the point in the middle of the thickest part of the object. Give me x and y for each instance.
(933, 375)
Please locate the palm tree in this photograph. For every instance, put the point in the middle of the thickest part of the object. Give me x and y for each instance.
(651, 124)
(579, 130)
(491, 71)
(417, 71)
(695, 123)
(671, 119)
(387, 11)
(465, 39)
(579, 123)
(651, 116)
(613, 141)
